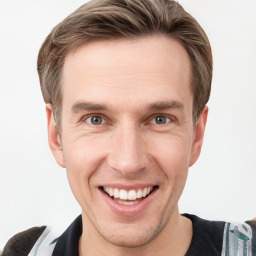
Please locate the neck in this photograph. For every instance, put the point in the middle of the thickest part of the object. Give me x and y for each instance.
(174, 239)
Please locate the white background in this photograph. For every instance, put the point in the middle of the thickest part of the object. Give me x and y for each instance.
(34, 190)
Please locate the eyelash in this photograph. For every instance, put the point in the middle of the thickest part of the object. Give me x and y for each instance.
(151, 118)
(84, 118)
(158, 116)
(170, 117)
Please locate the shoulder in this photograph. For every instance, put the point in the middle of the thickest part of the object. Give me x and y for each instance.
(222, 238)
(45, 241)
(207, 236)
(22, 243)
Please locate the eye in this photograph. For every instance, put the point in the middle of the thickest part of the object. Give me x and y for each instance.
(160, 120)
(95, 120)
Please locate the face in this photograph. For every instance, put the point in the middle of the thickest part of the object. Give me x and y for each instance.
(127, 135)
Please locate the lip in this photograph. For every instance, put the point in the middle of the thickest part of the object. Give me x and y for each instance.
(128, 210)
(129, 187)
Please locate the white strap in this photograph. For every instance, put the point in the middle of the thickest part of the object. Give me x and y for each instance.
(237, 240)
(45, 244)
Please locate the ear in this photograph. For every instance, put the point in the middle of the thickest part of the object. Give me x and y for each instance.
(53, 137)
(198, 136)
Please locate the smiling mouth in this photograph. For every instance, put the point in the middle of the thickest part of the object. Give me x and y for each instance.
(128, 197)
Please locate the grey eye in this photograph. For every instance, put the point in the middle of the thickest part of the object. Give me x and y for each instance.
(95, 120)
(160, 120)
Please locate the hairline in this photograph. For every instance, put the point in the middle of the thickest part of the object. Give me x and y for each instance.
(57, 110)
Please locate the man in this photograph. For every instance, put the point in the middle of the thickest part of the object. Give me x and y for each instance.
(126, 85)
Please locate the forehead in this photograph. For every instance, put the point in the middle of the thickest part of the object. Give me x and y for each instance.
(146, 67)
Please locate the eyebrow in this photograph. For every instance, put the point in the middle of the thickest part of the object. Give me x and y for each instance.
(157, 106)
(87, 106)
(165, 105)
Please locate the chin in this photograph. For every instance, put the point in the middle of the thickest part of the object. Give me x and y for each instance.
(133, 235)
(131, 239)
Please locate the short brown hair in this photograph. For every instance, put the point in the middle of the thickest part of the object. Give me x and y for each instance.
(112, 19)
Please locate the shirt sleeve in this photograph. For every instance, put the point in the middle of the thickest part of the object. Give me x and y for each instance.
(22, 243)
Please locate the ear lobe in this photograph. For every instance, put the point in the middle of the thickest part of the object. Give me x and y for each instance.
(198, 136)
(53, 137)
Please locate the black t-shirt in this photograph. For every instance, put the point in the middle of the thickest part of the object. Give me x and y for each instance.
(207, 240)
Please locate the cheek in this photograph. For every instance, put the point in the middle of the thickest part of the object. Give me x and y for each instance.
(172, 155)
(83, 154)
(82, 159)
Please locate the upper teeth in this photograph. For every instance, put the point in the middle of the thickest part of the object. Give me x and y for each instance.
(127, 195)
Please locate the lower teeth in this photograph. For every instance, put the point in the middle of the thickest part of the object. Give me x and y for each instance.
(126, 202)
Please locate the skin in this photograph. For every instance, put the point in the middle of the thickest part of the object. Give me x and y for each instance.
(127, 83)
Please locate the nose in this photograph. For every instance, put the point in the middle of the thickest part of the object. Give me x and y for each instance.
(127, 152)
